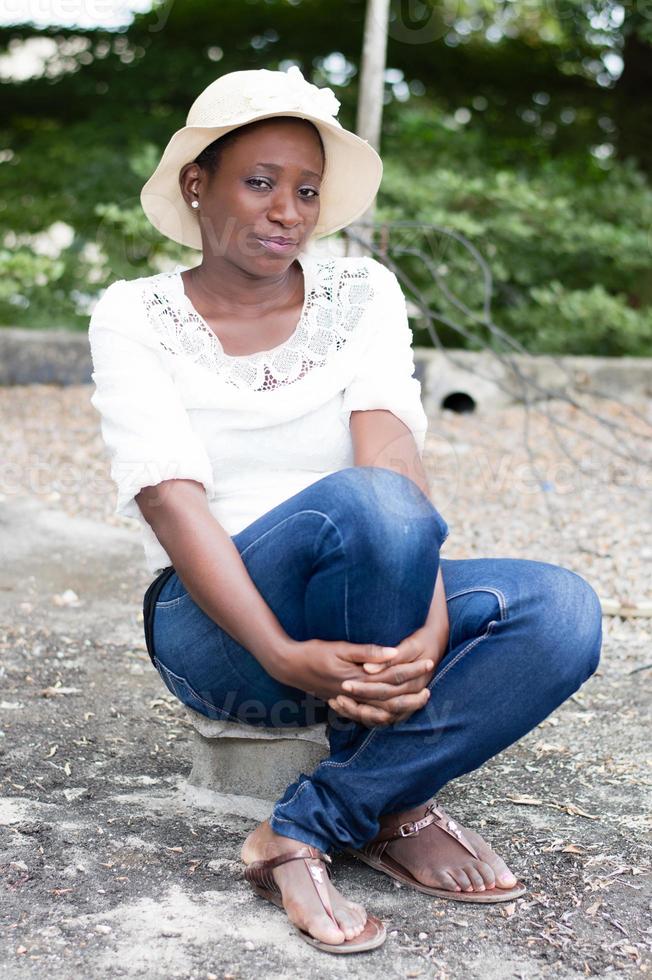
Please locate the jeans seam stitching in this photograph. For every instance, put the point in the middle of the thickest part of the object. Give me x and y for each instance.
(282, 819)
(341, 765)
(322, 847)
(346, 573)
(280, 524)
(168, 603)
(463, 652)
(292, 798)
(499, 595)
(326, 517)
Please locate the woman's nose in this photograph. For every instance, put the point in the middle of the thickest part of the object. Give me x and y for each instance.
(283, 208)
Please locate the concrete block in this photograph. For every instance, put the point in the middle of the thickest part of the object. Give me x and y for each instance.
(448, 379)
(249, 760)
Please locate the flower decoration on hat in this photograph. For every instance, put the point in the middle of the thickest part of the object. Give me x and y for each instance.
(294, 93)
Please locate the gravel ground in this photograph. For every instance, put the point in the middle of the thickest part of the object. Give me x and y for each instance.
(106, 868)
(594, 513)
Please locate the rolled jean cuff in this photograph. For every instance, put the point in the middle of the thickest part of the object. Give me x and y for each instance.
(288, 828)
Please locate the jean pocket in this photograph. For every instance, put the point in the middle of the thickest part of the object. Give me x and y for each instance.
(179, 686)
(172, 592)
(172, 603)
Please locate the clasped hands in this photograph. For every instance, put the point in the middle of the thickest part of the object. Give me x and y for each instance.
(366, 682)
(398, 679)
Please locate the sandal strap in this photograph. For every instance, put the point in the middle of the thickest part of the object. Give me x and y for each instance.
(300, 852)
(434, 814)
(260, 873)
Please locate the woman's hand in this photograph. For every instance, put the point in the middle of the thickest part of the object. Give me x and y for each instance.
(366, 682)
(392, 695)
(428, 644)
(322, 667)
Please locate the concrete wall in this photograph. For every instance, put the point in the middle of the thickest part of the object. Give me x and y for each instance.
(44, 357)
(482, 379)
(491, 381)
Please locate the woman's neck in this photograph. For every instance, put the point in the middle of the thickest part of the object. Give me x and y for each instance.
(226, 289)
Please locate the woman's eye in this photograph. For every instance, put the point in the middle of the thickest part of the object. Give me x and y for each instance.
(263, 183)
(256, 181)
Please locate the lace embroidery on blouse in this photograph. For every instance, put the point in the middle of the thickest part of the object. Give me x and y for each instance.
(335, 301)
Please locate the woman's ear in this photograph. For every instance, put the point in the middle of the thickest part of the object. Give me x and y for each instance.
(190, 178)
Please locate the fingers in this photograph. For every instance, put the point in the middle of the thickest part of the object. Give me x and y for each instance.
(407, 651)
(374, 668)
(402, 707)
(364, 714)
(372, 653)
(380, 713)
(397, 681)
(400, 673)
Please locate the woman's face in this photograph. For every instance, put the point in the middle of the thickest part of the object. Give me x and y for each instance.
(262, 204)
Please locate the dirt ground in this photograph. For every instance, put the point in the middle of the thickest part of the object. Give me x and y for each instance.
(110, 870)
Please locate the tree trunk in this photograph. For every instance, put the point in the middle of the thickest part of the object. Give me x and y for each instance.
(371, 90)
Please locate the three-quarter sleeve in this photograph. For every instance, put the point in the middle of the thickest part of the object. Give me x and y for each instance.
(384, 376)
(144, 423)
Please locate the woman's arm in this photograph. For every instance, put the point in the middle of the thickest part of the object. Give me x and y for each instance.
(211, 568)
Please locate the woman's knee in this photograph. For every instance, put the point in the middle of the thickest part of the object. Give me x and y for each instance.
(391, 509)
(569, 623)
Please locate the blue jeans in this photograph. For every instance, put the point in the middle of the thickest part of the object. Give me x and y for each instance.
(355, 557)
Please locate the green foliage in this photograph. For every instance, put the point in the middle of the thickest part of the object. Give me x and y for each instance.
(562, 319)
(27, 278)
(569, 259)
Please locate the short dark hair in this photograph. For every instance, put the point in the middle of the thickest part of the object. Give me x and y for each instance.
(209, 158)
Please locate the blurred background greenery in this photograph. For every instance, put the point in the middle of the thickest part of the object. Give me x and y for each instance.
(525, 126)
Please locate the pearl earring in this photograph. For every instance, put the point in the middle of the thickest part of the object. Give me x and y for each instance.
(194, 204)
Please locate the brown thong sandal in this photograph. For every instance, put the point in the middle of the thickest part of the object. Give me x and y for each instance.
(260, 877)
(374, 854)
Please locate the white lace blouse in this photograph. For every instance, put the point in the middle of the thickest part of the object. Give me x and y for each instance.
(253, 429)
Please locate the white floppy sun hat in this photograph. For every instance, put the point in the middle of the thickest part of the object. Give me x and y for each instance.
(352, 171)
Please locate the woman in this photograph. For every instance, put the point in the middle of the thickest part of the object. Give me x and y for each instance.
(266, 429)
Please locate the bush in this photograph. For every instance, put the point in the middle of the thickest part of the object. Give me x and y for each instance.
(570, 261)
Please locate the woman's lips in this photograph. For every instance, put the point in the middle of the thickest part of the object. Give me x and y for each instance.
(277, 246)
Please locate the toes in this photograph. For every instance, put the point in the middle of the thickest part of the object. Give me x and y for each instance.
(507, 880)
(351, 916)
(320, 925)
(487, 873)
(348, 920)
(439, 878)
(504, 877)
(462, 879)
(445, 880)
(474, 876)
(360, 911)
(325, 929)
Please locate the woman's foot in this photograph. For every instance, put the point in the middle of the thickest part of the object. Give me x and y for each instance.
(302, 905)
(419, 856)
